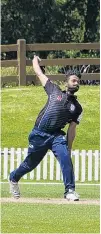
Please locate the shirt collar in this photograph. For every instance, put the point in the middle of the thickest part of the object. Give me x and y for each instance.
(69, 95)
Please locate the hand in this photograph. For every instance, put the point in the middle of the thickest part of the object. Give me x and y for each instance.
(36, 59)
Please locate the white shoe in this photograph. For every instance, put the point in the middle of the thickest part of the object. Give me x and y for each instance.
(14, 189)
(72, 195)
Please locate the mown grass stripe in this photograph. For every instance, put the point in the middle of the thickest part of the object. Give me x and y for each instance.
(52, 183)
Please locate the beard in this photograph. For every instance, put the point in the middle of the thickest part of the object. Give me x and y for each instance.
(73, 89)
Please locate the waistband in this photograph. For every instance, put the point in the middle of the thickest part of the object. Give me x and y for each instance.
(61, 132)
(42, 131)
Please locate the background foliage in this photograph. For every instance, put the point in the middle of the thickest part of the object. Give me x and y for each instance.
(49, 21)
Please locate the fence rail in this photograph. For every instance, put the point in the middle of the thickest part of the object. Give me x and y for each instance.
(21, 62)
(86, 165)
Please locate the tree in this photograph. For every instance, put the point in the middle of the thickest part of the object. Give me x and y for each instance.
(28, 19)
(70, 24)
(92, 23)
(49, 21)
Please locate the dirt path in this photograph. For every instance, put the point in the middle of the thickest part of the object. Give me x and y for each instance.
(49, 201)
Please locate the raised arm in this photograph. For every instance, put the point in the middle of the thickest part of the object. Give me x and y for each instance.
(43, 79)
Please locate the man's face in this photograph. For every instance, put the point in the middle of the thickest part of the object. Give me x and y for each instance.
(73, 84)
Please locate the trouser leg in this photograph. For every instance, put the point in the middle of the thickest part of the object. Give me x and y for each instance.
(30, 163)
(60, 150)
(38, 146)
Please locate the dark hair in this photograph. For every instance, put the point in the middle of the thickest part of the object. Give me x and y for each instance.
(72, 72)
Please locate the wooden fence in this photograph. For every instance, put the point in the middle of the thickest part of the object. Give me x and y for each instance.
(86, 165)
(21, 62)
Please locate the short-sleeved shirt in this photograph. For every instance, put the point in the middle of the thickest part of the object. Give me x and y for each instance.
(61, 108)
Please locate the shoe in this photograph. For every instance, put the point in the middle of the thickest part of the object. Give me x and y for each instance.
(71, 195)
(14, 189)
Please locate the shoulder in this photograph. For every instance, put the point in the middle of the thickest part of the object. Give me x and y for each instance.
(79, 106)
(51, 87)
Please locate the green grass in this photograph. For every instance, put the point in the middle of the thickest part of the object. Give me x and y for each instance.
(25, 218)
(21, 106)
(52, 191)
(50, 218)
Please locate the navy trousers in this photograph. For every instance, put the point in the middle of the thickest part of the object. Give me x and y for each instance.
(39, 143)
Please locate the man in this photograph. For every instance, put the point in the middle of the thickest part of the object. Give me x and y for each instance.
(61, 108)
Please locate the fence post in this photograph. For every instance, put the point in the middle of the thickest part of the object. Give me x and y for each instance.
(5, 173)
(45, 167)
(96, 169)
(51, 165)
(83, 165)
(89, 165)
(21, 56)
(76, 165)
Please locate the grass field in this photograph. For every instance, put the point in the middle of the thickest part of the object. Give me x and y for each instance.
(20, 107)
(50, 218)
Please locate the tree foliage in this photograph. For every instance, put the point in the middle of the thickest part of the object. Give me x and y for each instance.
(92, 21)
(29, 19)
(50, 21)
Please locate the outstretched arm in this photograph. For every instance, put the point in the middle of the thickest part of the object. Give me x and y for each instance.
(43, 79)
(71, 134)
